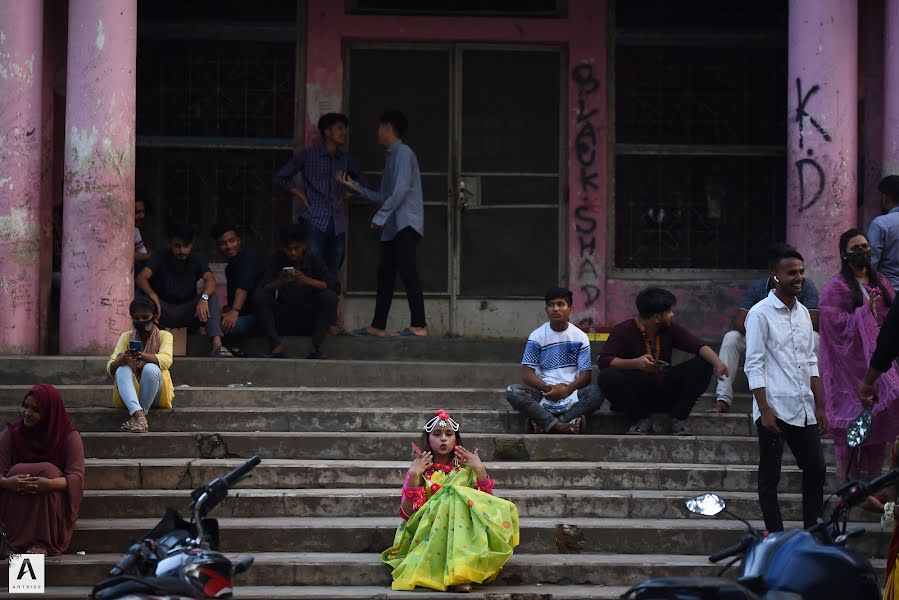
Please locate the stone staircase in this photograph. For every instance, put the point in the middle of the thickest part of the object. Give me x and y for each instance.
(334, 437)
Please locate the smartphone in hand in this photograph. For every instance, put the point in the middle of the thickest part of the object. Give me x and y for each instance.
(135, 346)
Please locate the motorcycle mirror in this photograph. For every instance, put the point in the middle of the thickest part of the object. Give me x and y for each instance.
(705, 504)
(857, 432)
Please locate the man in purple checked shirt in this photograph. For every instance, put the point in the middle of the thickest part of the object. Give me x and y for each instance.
(322, 196)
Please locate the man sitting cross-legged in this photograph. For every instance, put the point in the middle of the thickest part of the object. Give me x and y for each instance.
(636, 375)
(556, 394)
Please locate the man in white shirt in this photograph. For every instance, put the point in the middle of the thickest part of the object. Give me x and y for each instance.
(556, 393)
(783, 375)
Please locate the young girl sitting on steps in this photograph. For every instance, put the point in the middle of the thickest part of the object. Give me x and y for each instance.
(455, 532)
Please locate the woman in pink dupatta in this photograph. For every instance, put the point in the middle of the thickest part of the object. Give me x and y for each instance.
(42, 469)
(852, 308)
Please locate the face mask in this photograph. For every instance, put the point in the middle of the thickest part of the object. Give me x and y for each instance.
(143, 325)
(859, 258)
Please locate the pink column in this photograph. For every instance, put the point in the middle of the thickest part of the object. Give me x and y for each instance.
(822, 130)
(587, 163)
(98, 199)
(891, 88)
(871, 45)
(21, 43)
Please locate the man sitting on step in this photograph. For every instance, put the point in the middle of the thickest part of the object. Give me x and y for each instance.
(636, 373)
(170, 279)
(733, 347)
(299, 296)
(556, 394)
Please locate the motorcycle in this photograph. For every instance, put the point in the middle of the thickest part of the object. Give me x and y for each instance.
(798, 564)
(177, 559)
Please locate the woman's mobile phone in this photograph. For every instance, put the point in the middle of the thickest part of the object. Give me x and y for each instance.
(288, 269)
(662, 364)
(135, 346)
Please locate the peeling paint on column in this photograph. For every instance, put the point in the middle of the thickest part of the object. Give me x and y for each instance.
(822, 131)
(97, 244)
(20, 176)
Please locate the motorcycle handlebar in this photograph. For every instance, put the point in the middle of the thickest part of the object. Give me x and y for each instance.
(126, 561)
(232, 478)
(734, 550)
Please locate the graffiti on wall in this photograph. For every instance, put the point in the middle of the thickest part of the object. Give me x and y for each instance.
(809, 173)
(586, 147)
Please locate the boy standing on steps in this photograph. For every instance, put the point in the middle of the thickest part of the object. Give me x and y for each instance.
(783, 375)
(556, 393)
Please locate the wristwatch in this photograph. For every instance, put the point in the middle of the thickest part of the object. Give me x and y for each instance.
(204, 296)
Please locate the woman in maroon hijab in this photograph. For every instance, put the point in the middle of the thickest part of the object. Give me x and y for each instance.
(42, 464)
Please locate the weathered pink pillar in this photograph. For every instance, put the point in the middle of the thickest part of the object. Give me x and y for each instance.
(21, 91)
(588, 177)
(823, 130)
(98, 199)
(871, 45)
(891, 88)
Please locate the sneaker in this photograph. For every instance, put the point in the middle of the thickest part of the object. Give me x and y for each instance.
(641, 427)
(680, 427)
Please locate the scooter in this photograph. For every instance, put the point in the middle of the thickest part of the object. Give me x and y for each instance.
(799, 564)
(179, 560)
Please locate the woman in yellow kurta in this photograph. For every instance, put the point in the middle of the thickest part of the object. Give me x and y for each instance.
(455, 532)
(142, 376)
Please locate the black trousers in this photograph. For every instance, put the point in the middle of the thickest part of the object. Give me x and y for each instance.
(805, 443)
(399, 254)
(674, 391)
(311, 317)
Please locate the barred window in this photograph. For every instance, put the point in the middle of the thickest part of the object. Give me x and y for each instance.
(700, 127)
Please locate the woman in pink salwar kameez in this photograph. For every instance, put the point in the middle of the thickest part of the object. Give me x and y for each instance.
(852, 308)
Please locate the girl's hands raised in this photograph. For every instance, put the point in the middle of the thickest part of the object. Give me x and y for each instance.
(422, 461)
(471, 459)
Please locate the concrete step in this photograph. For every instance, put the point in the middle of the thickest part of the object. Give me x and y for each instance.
(251, 419)
(361, 592)
(338, 569)
(183, 473)
(538, 535)
(382, 502)
(270, 372)
(650, 449)
(100, 395)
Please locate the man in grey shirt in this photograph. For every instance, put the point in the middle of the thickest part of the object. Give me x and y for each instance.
(883, 234)
(400, 219)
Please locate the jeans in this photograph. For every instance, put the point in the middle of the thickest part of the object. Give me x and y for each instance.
(805, 443)
(399, 254)
(150, 387)
(733, 352)
(184, 315)
(246, 325)
(327, 245)
(526, 400)
(313, 316)
(674, 390)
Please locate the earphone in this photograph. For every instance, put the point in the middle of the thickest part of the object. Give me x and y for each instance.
(776, 279)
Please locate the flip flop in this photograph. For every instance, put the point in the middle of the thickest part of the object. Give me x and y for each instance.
(362, 332)
(221, 352)
(409, 333)
(720, 407)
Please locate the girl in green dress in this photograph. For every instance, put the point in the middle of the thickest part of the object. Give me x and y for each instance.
(455, 532)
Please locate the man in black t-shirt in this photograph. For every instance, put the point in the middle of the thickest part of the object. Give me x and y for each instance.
(170, 279)
(299, 296)
(244, 273)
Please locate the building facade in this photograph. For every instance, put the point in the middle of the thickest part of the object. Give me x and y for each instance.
(607, 145)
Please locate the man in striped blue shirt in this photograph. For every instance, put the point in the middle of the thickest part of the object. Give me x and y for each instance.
(400, 219)
(321, 196)
(556, 394)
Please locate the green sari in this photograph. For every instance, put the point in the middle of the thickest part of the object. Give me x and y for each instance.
(461, 535)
